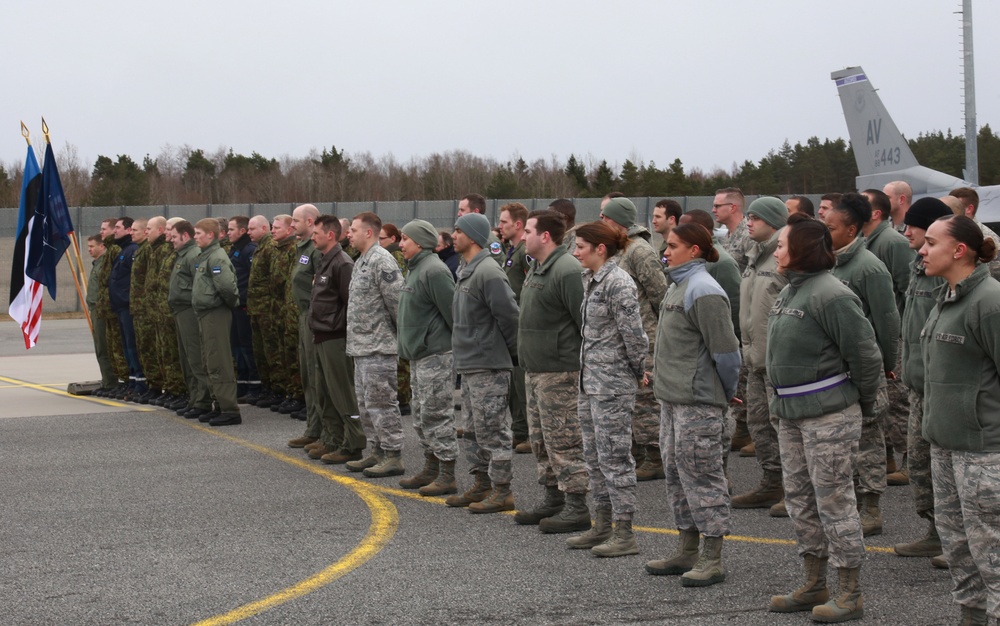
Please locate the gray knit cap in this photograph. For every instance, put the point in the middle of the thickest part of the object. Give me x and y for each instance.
(771, 210)
(422, 233)
(476, 227)
(621, 211)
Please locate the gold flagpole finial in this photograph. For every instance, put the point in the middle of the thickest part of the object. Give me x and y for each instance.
(25, 133)
(45, 131)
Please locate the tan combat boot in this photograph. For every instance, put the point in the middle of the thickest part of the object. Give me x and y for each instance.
(301, 442)
(477, 493)
(425, 477)
(813, 593)
(600, 531)
(390, 465)
(620, 543)
(444, 483)
(849, 603)
(766, 495)
(928, 546)
(500, 499)
(973, 617)
(871, 515)
(573, 518)
(651, 467)
(709, 569)
(371, 460)
(682, 560)
(740, 438)
(552, 504)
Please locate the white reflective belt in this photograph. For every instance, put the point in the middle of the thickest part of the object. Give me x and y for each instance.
(808, 388)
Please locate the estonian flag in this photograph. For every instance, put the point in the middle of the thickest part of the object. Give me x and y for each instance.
(25, 292)
(49, 234)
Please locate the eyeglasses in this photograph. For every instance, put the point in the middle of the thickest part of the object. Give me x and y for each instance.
(719, 206)
(381, 238)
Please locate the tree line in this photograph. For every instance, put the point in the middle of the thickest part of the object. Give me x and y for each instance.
(185, 175)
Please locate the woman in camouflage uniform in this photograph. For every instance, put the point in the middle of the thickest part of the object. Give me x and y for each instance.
(613, 358)
(697, 367)
(826, 368)
(961, 357)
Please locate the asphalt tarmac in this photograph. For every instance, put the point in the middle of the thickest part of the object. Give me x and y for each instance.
(114, 513)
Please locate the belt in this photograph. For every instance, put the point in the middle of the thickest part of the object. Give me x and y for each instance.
(809, 388)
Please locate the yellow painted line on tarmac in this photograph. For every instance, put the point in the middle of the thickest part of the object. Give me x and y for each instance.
(23, 384)
(385, 521)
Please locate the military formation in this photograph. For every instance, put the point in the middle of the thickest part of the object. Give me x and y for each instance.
(853, 349)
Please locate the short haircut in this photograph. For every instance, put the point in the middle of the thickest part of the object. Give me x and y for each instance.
(184, 227)
(597, 233)
(284, 218)
(446, 237)
(111, 221)
(370, 220)
(567, 209)
(855, 208)
(208, 225)
(805, 205)
(549, 221)
(96, 239)
(901, 188)
(810, 247)
(704, 218)
(518, 212)
(968, 196)
(879, 202)
(126, 221)
(174, 220)
(223, 223)
(477, 203)
(834, 197)
(671, 208)
(695, 234)
(392, 232)
(329, 224)
(242, 222)
(734, 195)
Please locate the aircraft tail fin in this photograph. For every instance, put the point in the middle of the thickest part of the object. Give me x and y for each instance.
(878, 145)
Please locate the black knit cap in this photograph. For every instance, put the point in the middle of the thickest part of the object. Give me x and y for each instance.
(925, 211)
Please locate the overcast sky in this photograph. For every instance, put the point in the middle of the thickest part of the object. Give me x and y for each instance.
(706, 81)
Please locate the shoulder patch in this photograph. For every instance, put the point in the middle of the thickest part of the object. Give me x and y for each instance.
(304, 259)
(389, 276)
(496, 248)
(236, 253)
(217, 270)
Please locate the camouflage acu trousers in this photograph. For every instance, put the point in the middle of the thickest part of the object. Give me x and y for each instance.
(967, 516)
(646, 415)
(897, 418)
(606, 426)
(762, 431)
(740, 412)
(517, 401)
(337, 405)
(871, 448)
(554, 430)
(918, 459)
(817, 460)
(691, 444)
(375, 388)
(432, 381)
(487, 441)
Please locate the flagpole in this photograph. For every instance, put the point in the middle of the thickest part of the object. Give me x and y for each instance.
(76, 269)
